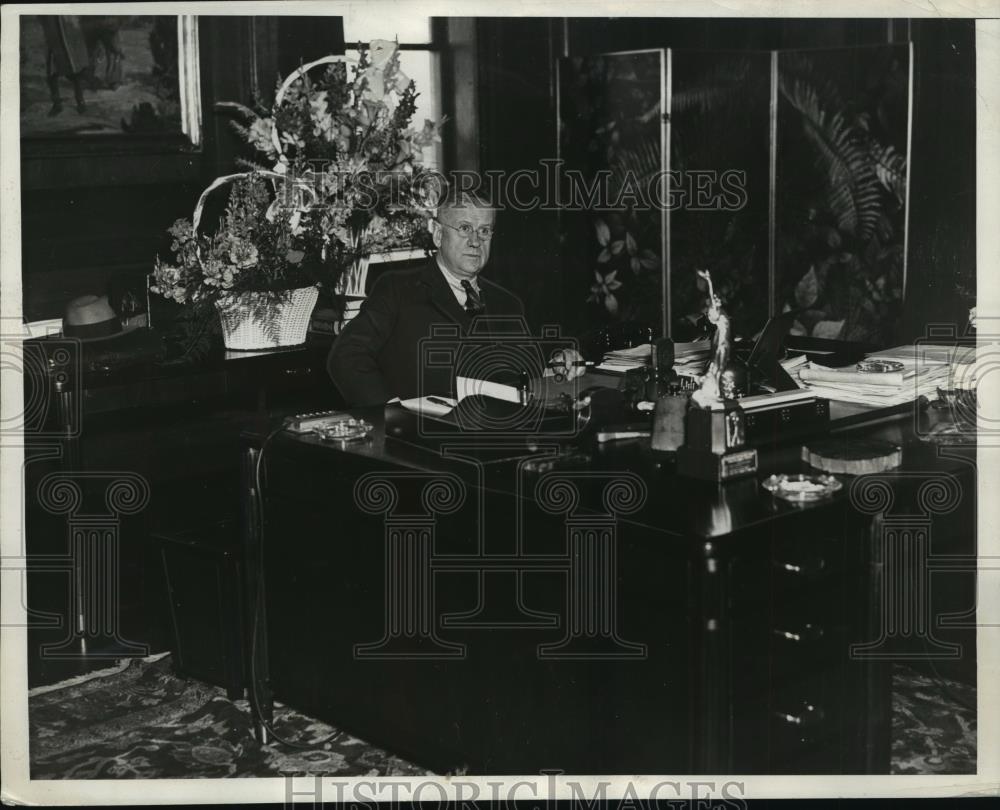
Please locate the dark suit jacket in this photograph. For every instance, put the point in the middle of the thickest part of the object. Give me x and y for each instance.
(380, 353)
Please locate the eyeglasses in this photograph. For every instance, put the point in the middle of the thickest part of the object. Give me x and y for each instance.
(465, 229)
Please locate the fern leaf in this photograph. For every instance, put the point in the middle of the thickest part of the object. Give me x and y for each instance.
(643, 162)
(890, 168)
(842, 154)
(723, 83)
(239, 129)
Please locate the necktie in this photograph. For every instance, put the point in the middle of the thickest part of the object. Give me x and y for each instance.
(473, 302)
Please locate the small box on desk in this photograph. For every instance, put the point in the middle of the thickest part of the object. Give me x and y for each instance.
(773, 418)
(714, 447)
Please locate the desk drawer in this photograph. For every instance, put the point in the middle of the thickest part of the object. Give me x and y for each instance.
(794, 575)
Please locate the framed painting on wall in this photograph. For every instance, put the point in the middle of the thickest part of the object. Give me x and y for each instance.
(100, 83)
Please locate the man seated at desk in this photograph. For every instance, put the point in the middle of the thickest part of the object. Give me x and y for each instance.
(378, 355)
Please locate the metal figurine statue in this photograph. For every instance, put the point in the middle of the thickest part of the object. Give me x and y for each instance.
(711, 388)
(714, 446)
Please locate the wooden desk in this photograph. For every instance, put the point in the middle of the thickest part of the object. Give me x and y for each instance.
(514, 608)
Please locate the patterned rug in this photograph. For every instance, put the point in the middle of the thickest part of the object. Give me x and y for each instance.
(933, 724)
(140, 721)
(143, 722)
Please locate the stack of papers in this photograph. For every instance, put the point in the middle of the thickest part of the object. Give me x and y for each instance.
(874, 389)
(618, 362)
(928, 354)
(689, 358)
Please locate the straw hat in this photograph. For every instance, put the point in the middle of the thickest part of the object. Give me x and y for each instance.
(90, 318)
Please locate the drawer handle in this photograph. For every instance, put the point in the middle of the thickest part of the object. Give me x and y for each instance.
(809, 717)
(807, 567)
(809, 632)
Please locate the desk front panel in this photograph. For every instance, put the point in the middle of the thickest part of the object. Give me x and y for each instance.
(510, 630)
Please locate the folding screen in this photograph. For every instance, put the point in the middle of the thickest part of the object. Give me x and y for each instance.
(784, 173)
(720, 153)
(843, 120)
(612, 139)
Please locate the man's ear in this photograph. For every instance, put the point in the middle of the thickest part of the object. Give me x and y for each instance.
(436, 233)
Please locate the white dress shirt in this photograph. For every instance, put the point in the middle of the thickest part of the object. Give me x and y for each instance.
(455, 283)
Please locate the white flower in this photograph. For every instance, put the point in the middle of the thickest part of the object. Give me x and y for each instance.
(243, 254)
(260, 134)
(323, 124)
(380, 51)
(603, 290)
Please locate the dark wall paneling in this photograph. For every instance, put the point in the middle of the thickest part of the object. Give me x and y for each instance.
(517, 129)
(82, 240)
(303, 39)
(459, 63)
(595, 35)
(942, 247)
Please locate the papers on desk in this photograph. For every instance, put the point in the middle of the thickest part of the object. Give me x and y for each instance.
(429, 406)
(622, 360)
(928, 354)
(874, 390)
(465, 387)
(689, 358)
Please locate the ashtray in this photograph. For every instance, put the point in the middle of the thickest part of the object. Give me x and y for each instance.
(801, 488)
(957, 396)
(344, 430)
(874, 366)
(953, 433)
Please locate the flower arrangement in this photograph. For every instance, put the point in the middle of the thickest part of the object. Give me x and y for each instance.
(252, 250)
(345, 139)
(336, 176)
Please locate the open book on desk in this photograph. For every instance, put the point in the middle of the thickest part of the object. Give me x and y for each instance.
(466, 387)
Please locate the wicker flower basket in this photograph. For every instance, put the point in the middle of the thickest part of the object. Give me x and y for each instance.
(252, 321)
(285, 323)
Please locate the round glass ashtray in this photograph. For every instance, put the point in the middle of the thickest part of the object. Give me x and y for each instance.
(801, 488)
(874, 366)
(344, 430)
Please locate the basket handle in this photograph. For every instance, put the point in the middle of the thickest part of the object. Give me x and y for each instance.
(290, 79)
(221, 181)
(216, 183)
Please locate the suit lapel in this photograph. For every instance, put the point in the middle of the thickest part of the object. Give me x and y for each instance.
(440, 295)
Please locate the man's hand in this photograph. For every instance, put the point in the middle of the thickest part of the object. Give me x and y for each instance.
(567, 364)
